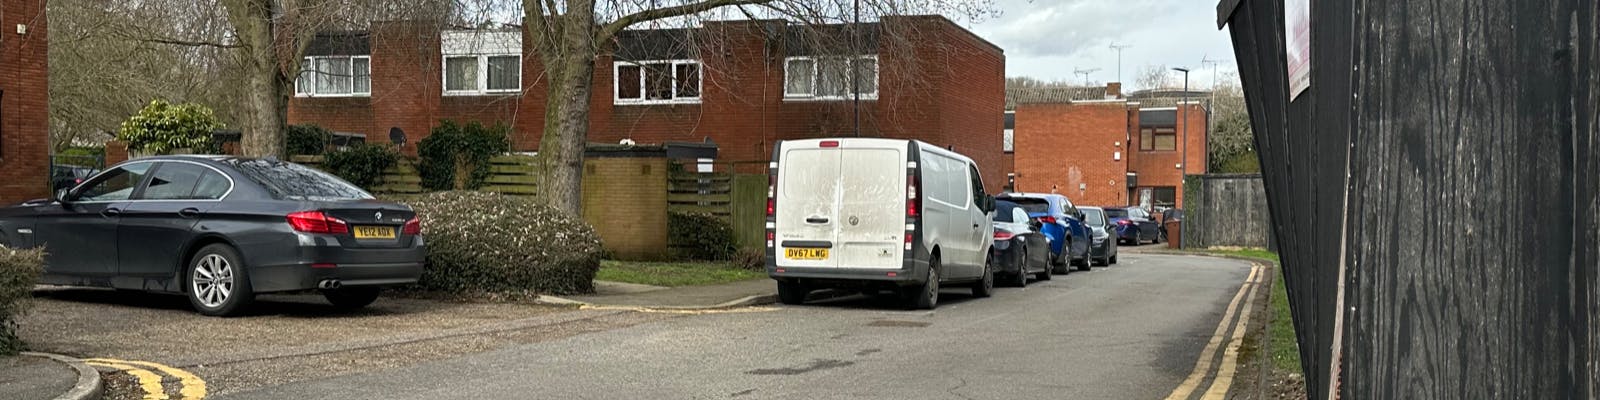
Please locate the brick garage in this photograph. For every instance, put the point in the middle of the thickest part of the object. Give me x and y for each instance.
(1087, 143)
(936, 82)
(24, 102)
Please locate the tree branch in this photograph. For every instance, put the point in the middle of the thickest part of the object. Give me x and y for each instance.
(191, 43)
(610, 30)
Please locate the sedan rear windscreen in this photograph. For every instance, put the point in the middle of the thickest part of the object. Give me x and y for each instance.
(1116, 213)
(290, 181)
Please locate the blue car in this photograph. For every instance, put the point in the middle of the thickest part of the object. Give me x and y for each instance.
(1062, 223)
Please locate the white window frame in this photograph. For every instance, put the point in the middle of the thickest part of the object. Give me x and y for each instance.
(616, 89)
(314, 75)
(481, 87)
(816, 64)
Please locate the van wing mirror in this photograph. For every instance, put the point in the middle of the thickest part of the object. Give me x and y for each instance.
(988, 203)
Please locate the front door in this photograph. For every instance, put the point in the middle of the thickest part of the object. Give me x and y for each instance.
(80, 236)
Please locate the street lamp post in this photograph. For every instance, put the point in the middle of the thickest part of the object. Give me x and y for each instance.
(1184, 166)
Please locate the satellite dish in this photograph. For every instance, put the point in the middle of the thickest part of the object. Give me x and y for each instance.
(397, 136)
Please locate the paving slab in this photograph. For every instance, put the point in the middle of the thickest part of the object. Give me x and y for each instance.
(25, 377)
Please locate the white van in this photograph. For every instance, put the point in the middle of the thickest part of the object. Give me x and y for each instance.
(875, 214)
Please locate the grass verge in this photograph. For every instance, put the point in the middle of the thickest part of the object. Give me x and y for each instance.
(1280, 330)
(674, 273)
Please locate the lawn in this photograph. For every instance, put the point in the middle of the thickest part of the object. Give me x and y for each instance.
(674, 273)
(1285, 350)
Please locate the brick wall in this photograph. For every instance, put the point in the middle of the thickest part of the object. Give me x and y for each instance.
(1160, 168)
(24, 102)
(625, 199)
(1060, 146)
(938, 83)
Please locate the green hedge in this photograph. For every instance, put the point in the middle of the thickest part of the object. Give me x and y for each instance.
(19, 271)
(699, 236)
(451, 147)
(161, 127)
(307, 140)
(481, 242)
(362, 164)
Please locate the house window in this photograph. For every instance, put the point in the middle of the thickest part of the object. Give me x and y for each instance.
(1009, 141)
(480, 74)
(334, 76)
(657, 82)
(1158, 139)
(829, 78)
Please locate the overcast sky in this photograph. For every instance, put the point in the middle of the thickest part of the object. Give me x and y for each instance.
(1049, 39)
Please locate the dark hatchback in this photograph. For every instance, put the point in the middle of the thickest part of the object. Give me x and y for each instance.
(221, 230)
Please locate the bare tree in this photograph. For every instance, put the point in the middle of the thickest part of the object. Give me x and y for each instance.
(1152, 77)
(569, 35)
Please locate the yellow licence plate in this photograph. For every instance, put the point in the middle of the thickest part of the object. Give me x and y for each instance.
(805, 254)
(374, 232)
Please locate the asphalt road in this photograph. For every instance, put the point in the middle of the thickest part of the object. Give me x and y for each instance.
(1131, 331)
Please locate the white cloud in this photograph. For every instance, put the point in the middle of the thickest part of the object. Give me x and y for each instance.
(1049, 39)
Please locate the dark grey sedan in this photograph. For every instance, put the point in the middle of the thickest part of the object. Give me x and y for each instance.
(221, 230)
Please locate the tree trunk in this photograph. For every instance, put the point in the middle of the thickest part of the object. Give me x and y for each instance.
(566, 122)
(266, 100)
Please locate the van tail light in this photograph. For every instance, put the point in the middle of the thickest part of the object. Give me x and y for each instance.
(911, 195)
(1003, 235)
(830, 143)
(317, 222)
(1047, 219)
(413, 226)
(772, 194)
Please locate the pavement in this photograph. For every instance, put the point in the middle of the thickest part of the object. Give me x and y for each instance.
(1152, 326)
(734, 294)
(47, 376)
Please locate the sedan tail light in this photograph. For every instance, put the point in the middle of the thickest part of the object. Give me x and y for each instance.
(1124, 222)
(1003, 235)
(1047, 219)
(317, 222)
(413, 226)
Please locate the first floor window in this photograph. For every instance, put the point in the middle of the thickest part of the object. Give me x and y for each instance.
(831, 77)
(1008, 145)
(658, 81)
(334, 76)
(1158, 139)
(482, 74)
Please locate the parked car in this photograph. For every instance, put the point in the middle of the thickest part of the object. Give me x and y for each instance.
(1062, 223)
(67, 176)
(1103, 248)
(221, 230)
(1134, 225)
(1020, 250)
(871, 214)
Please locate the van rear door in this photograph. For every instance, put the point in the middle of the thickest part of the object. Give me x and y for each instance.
(841, 203)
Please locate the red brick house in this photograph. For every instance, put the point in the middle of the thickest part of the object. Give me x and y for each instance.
(743, 85)
(24, 102)
(1099, 148)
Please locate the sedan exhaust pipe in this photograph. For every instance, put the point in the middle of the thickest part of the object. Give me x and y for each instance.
(329, 284)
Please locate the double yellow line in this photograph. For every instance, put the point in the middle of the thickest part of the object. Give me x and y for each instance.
(190, 387)
(1224, 377)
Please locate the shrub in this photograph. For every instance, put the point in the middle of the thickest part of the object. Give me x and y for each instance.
(481, 242)
(453, 149)
(160, 127)
(307, 140)
(361, 165)
(751, 259)
(19, 270)
(699, 236)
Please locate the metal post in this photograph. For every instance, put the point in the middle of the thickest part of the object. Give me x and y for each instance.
(1184, 166)
(855, 57)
